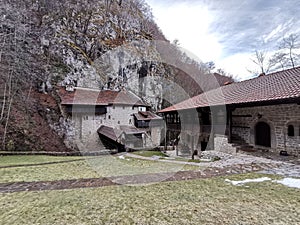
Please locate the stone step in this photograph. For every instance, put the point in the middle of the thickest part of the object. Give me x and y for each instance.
(245, 147)
(247, 150)
(236, 137)
(239, 144)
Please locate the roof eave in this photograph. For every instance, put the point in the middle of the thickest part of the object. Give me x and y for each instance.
(295, 100)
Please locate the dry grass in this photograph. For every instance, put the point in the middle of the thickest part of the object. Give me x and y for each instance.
(150, 153)
(206, 201)
(95, 167)
(33, 159)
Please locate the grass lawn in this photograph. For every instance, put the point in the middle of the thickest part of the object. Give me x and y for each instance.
(33, 159)
(206, 201)
(89, 167)
(150, 153)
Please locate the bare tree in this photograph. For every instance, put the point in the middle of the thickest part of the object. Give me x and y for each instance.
(262, 60)
(279, 60)
(290, 43)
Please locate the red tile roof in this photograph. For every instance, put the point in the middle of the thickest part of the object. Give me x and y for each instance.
(281, 85)
(146, 116)
(83, 96)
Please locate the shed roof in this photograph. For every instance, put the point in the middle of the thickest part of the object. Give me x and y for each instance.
(281, 85)
(114, 133)
(108, 132)
(146, 116)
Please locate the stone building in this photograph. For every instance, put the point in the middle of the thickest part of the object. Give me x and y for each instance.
(257, 114)
(106, 119)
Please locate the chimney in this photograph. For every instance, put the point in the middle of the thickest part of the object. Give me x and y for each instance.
(227, 83)
(262, 74)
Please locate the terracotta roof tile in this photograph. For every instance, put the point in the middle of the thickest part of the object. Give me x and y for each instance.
(275, 86)
(146, 116)
(82, 96)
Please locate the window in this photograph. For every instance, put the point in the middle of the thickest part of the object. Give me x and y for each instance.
(168, 118)
(109, 117)
(86, 118)
(123, 107)
(130, 121)
(291, 131)
(118, 122)
(142, 109)
(114, 107)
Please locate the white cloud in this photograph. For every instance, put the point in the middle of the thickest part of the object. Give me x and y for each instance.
(225, 32)
(189, 23)
(238, 65)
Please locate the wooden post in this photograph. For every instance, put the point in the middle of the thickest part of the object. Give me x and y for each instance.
(166, 138)
(229, 112)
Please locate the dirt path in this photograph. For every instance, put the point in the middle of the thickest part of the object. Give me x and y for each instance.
(133, 179)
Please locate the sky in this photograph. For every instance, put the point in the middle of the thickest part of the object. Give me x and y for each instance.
(227, 31)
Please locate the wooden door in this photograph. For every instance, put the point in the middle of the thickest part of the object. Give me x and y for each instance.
(263, 134)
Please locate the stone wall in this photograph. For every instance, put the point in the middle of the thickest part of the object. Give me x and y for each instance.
(242, 132)
(189, 141)
(119, 115)
(156, 133)
(85, 135)
(221, 144)
(278, 117)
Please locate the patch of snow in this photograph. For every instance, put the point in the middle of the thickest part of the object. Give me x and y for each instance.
(155, 157)
(205, 160)
(171, 158)
(290, 182)
(241, 182)
(121, 157)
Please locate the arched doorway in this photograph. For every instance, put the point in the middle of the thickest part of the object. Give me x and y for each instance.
(263, 134)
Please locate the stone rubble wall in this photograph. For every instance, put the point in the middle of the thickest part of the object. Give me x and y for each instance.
(221, 144)
(278, 117)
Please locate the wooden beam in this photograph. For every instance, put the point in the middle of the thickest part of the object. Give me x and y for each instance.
(229, 116)
(241, 127)
(241, 115)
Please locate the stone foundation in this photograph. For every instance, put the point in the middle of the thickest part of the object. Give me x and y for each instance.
(221, 144)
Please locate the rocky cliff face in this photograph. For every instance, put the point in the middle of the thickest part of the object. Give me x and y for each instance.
(105, 44)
